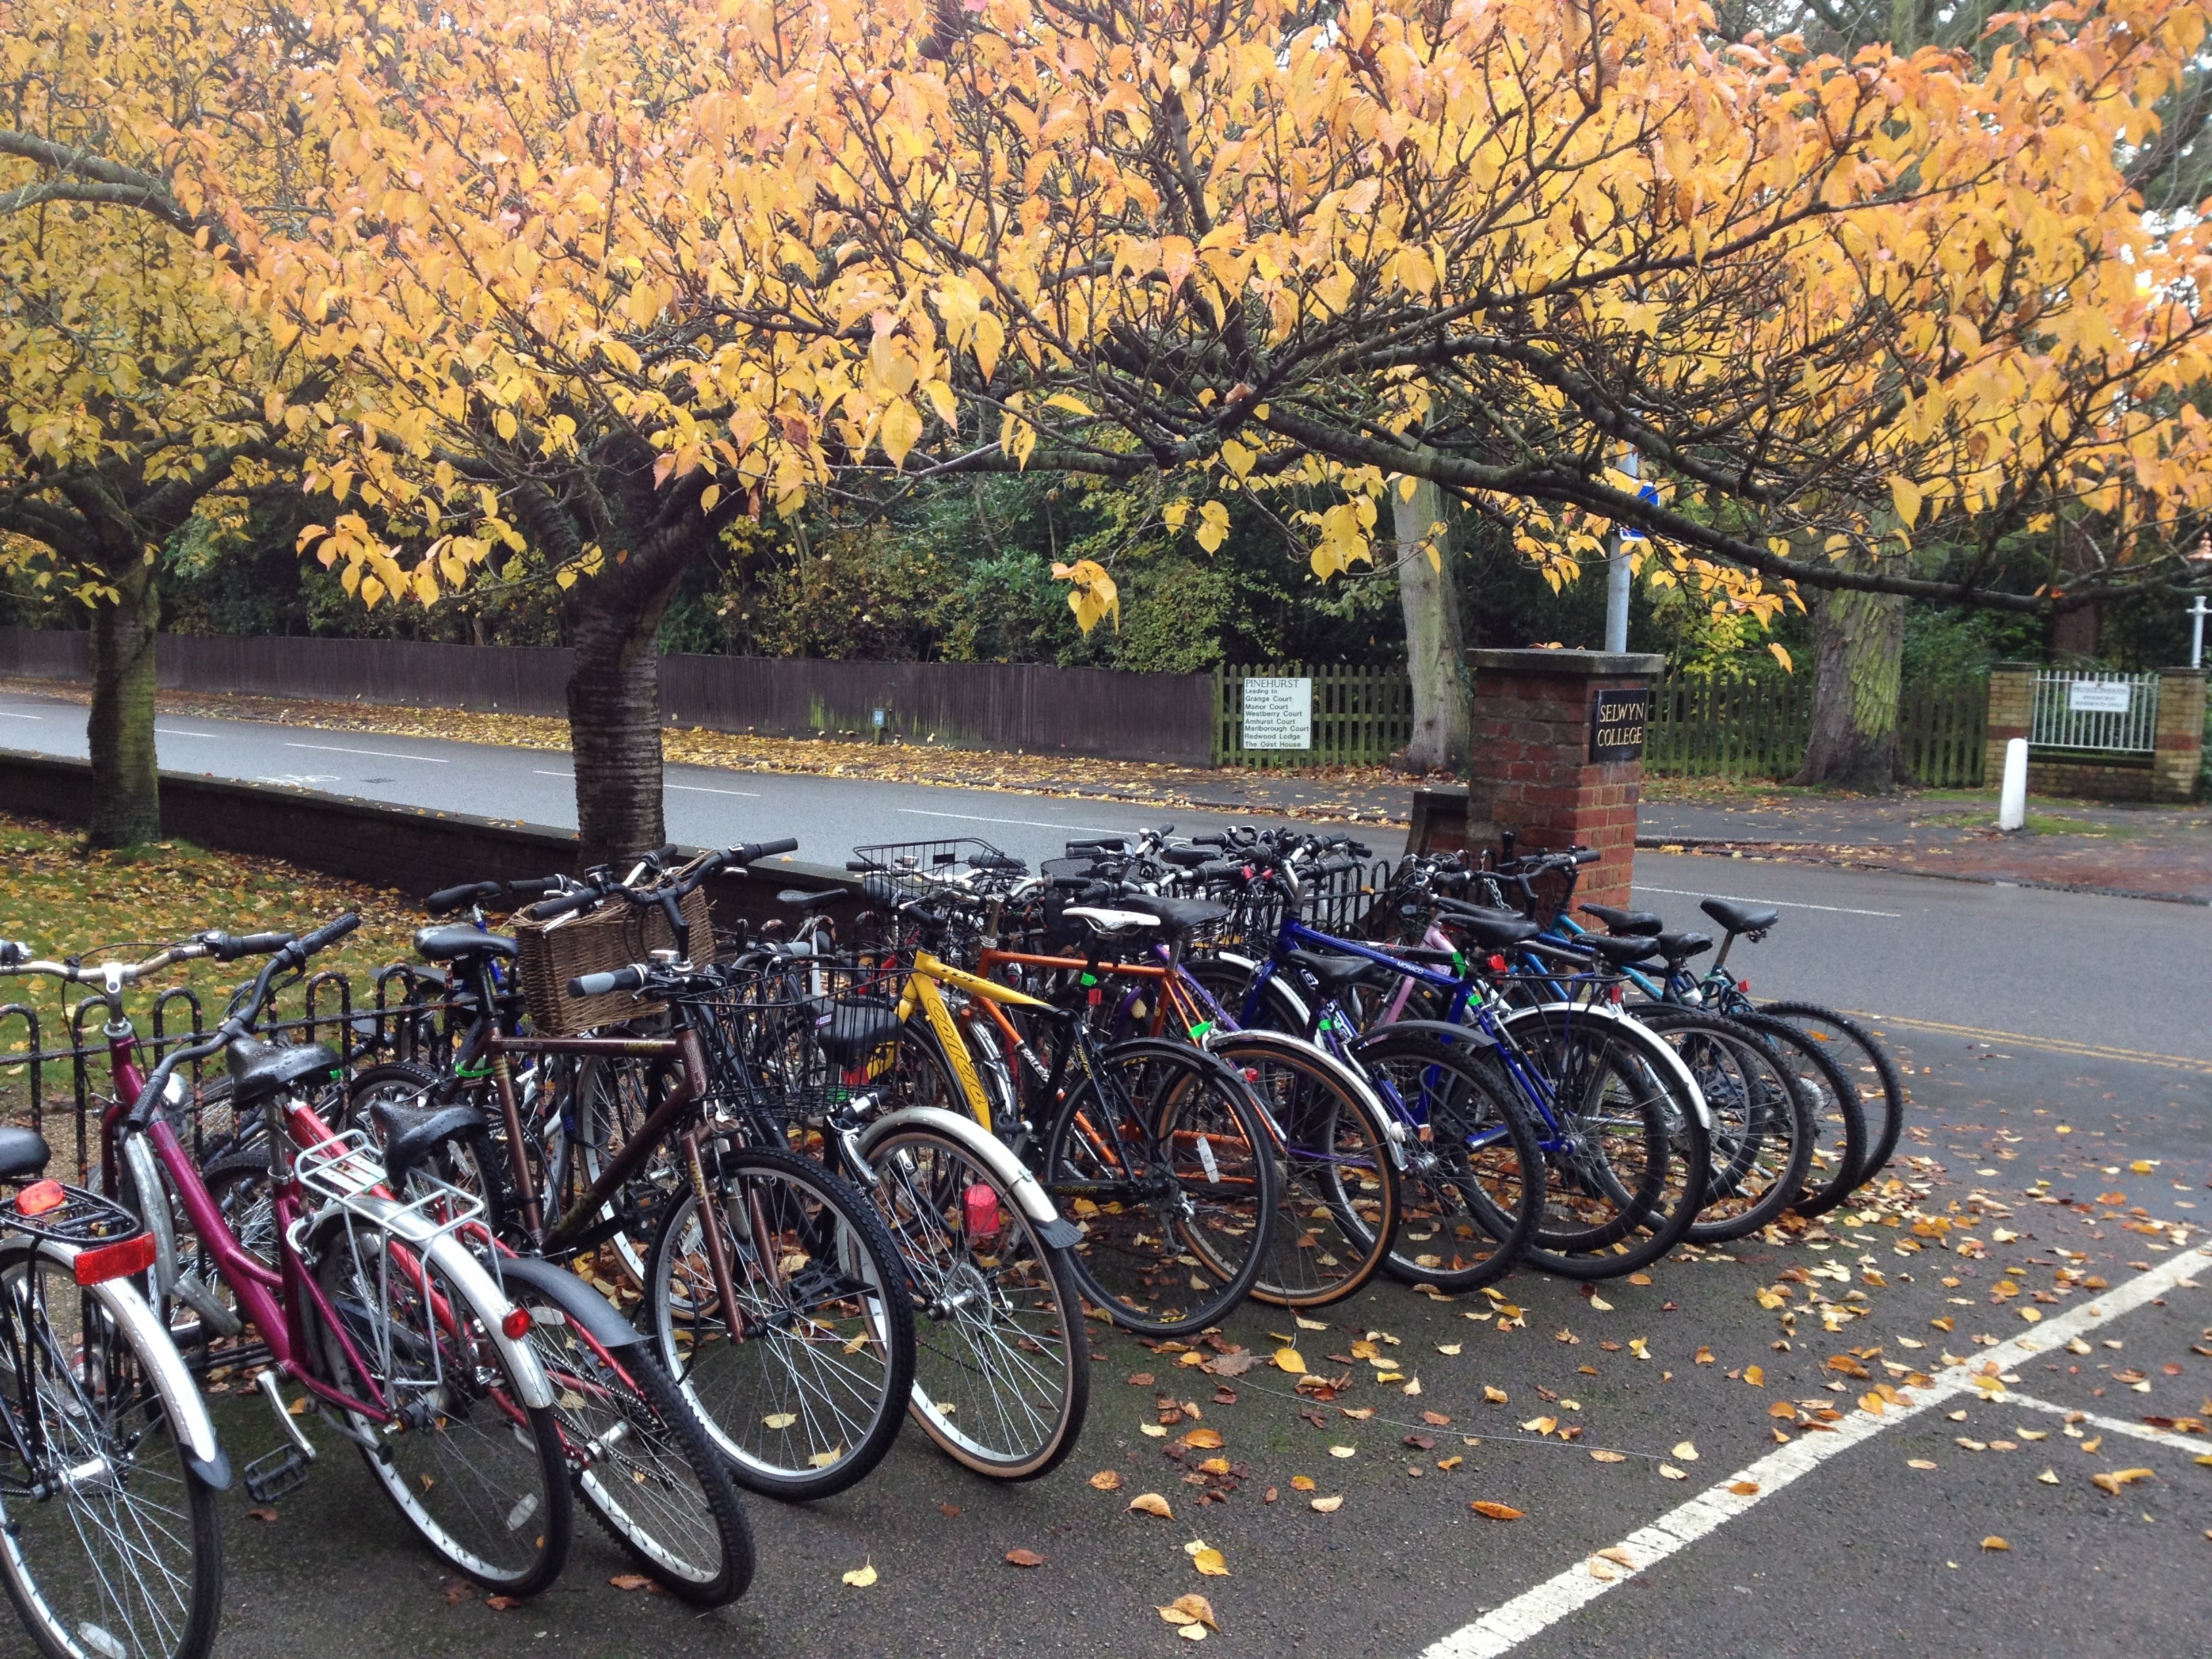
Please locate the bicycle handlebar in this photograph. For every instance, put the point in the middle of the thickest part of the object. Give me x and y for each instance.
(600, 985)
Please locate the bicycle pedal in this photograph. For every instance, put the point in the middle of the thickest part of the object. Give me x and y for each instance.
(270, 1476)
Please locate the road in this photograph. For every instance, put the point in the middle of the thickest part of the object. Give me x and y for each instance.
(2060, 1057)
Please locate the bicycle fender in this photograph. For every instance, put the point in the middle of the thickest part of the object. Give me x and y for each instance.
(587, 1306)
(985, 1149)
(172, 1379)
(154, 1210)
(1436, 1030)
(1313, 1054)
(468, 1274)
(1291, 988)
(1663, 1050)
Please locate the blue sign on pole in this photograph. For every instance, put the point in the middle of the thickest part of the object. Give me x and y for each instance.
(1648, 494)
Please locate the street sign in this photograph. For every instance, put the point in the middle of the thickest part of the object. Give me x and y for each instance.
(1617, 717)
(1648, 493)
(1278, 713)
(2099, 698)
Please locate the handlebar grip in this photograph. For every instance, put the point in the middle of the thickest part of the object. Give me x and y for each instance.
(329, 933)
(600, 985)
(861, 866)
(546, 909)
(1338, 866)
(1218, 870)
(1072, 884)
(12, 953)
(1209, 840)
(763, 849)
(1102, 844)
(532, 886)
(448, 899)
(229, 947)
(1586, 855)
(1359, 849)
(668, 853)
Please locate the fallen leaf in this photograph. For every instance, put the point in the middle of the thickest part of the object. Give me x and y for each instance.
(1599, 1454)
(1994, 1542)
(1328, 1505)
(1211, 1562)
(1744, 1488)
(1303, 1483)
(1703, 1356)
(1342, 1451)
(263, 1515)
(1024, 1558)
(948, 1510)
(1203, 1440)
(1495, 1396)
(1918, 1464)
(1356, 1414)
(1600, 1304)
(1305, 1324)
(2119, 1478)
(458, 1592)
(1674, 1474)
(1288, 1360)
(780, 1419)
(2048, 1477)
(1235, 1364)
(1448, 1464)
(1448, 1348)
(1635, 1346)
(1150, 1502)
(503, 1603)
(1755, 1375)
(860, 1577)
(1192, 1632)
(1153, 1430)
(1782, 1408)
(1686, 1450)
(1194, 1606)
(1435, 1419)
(1107, 1480)
(1214, 1466)
(1484, 1507)
(1140, 1379)
(1848, 1366)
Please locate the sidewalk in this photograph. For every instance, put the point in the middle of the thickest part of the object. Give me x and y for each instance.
(2141, 852)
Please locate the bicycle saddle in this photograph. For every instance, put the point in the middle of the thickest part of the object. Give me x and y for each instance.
(1333, 973)
(1625, 921)
(1616, 951)
(1679, 948)
(259, 1069)
(411, 1134)
(458, 944)
(1178, 915)
(22, 1152)
(856, 1028)
(1493, 930)
(799, 899)
(1739, 918)
(1116, 923)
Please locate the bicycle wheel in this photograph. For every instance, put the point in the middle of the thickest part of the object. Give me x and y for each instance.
(1473, 1183)
(1627, 1151)
(1839, 1128)
(109, 1547)
(801, 1386)
(638, 1456)
(1861, 1058)
(598, 1105)
(1002, 1371)
(1762, 1127)
(471, 1163)
(475, 1471)
(1164, 1137)
(1337, 1198)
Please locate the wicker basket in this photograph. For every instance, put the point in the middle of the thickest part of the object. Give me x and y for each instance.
(551, 953)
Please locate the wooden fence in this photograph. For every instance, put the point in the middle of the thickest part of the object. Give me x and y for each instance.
(1361, 716)
(1757, 728)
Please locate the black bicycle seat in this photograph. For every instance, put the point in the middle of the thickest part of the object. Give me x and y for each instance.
(23, 1153)
(1616, 951)
(259, 1070)
(1179, 915)
(799, 899)
(856, 1028)
(1739, 918)
(1679, 948)
(411, 1134)
(1493, 930)
(1625, 922)
(458, 944)
(1332, 973)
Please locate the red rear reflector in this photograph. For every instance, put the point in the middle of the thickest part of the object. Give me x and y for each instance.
(1613, 995)
(39, 1197)
(516, 1324)
(1496, 963)
(1744, 986)
(105, 1261)
(982, 1208)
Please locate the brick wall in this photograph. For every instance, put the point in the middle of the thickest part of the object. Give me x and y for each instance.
(2180, 739)
(2169, 775)
(2012, 713)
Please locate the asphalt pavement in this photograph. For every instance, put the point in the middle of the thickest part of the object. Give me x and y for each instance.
(2060, 1057)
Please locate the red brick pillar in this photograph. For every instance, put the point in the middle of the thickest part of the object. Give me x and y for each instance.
(1545, 768)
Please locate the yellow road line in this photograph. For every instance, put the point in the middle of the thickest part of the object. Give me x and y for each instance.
(2049, 1045)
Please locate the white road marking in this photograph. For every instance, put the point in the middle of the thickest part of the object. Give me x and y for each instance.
(1785, 904)
(569, 776)
(701, 789)
(6, 715)
(1026, 823)
(1535, 1610)
(2180, 1443)
(380, 754)
(177, 732)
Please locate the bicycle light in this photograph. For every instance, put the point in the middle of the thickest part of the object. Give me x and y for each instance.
(982, 1204)
(39, 1197)
(516, 1324)
(131, 1255)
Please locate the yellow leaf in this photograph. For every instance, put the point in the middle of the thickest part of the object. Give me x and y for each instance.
(1107, 1480)
(1211, 1562)
(1203, 1440)
(1782, 656)
(1755, 1375)
(1343, 1451)
(2119, 1478)
(1905, 494)
(1328, 1505)
(861, 1576)
(1601, 1454)
(1994, 1542)
(709, 496)
(1686, 1450)
(1485, 1508)
(901, 428)
(1288, 1360)
(1496, 1396)
(1303, 1483)
(1672, 1472)
(1150, 1502)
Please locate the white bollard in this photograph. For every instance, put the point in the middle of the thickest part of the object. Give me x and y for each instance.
(2012, 802)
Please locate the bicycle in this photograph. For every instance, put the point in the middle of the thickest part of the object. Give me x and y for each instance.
(111, 1546)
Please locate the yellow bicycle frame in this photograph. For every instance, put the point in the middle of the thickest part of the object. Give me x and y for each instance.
(920, 990)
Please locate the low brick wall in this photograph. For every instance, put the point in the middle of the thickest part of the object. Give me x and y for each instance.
(2168, 773)
(408, 848)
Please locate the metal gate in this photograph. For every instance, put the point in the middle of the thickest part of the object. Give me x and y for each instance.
(2111, 714)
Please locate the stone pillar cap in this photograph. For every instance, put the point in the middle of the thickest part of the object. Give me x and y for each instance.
(1590, 664)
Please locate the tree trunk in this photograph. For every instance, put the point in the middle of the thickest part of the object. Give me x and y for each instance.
(1857, 672)
(127, 792)
(1435, 657)
(614, 725)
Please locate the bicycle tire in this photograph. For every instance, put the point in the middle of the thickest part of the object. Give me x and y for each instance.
(1337, 1205)
(639, 1459)
(1758, 1107)
(512, 1466)
(1839, 1126)
(1652, 1129)
(1002, 1368)
(1190, 1241)
(1845, 1031)
(870, 1310)
(1474, 1165)
(71, 1613)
